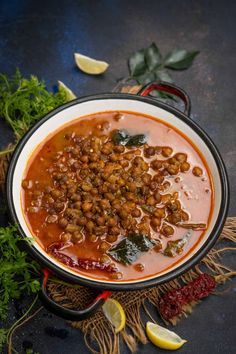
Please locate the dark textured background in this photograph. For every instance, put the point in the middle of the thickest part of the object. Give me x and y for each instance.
(40, 37)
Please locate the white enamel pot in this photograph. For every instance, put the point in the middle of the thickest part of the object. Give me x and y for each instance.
(142, 104)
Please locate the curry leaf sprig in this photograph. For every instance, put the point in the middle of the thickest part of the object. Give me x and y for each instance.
(149, 64)
(24, 101)
(18, 275)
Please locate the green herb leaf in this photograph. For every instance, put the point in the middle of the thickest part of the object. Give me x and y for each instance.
(153, 57)
(137, 64)
(136, 140)
(3, 337)
(122, 137)
(130, 248)
(163, 75)
(18, 275)
(24, 101)
(163, 96)
(176, 247)
(145, 78)
(180, 59)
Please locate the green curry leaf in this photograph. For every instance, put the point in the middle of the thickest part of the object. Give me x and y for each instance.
(122, 137)
(180, 59)
(153, 57)
(176, 247)
(130, 248)
(137, 63)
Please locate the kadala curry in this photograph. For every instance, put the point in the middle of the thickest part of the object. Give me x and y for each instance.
(117, 196)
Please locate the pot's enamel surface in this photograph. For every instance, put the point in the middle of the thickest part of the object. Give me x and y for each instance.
(83, 107)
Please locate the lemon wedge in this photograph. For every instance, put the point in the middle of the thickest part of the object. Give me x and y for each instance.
(69, 94)
(89, 65)
(115, 314)
(162, 337)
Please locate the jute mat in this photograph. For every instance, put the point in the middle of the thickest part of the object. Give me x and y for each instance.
(99, 335)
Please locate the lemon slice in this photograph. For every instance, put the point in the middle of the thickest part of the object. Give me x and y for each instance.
(89, 65)
(162, 337)
(69, 94)
(115, 314)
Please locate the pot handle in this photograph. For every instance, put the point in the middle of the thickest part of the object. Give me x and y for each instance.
(68, 314)
(170, 88)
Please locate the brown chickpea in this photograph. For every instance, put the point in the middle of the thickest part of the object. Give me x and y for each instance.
(72, 228)
(166, 151)
(139, 267)
(90, 226)
(63, 222)
(181, 157)
(184, 167)
(115, 230)
(167, 230)
(51, 219)
(92, 238)
(77, 237)
(157, 196)
(155, 222)
(111, 238)
(147, 178)
(197, 171)
(116, 275)
(136, 213)
(159, 178)
(156, 165)
(86, 206)
(82, 221)
(104, 246)
(100, 221)
(173, 169)
(119, 148)
(111, 221)
(124, 163)
(151, 200)
(77, 205)
(159, 212)
(149, 151)
(66, 237)
(86, 186)
(105, 259)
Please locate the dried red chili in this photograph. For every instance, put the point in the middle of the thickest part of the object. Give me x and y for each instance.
(172, 303)
(56, 247)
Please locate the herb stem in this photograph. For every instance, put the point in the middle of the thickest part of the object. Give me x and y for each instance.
(7, 151)
(61, 282)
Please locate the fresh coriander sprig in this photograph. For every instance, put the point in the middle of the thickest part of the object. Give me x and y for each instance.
(17, 275)
(24, 101)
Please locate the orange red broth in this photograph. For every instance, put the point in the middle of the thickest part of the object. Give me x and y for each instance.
(195, 193)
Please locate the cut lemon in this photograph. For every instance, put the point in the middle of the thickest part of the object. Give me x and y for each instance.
(162, 337)
(89, 65)
(115, 314)
(69, 94)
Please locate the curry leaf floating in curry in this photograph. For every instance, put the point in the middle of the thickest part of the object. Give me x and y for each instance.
(130, 248)
(122, 137)
(176, 247)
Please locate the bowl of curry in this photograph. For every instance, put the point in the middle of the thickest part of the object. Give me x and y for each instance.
(118, 191)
